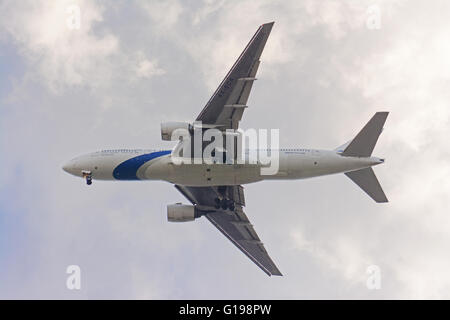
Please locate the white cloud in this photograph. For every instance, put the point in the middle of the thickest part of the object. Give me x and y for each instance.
(322, 70)
(164, 14)
(340, 254)
(62, 56)
(146, 68)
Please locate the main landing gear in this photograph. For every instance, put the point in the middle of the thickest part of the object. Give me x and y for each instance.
(88, 176)
(224, 204)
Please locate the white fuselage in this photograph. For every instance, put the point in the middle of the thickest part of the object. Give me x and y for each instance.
(126, 164)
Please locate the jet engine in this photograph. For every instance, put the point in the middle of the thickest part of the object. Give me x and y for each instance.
(168, 129)
(182, 212)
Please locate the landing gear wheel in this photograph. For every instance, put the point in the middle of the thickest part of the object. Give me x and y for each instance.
(217, 201)
(230, 205)
(224, 204)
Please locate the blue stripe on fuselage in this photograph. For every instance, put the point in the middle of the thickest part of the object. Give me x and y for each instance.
(127, 170)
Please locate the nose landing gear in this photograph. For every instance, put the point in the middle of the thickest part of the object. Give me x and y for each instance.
(88, 176)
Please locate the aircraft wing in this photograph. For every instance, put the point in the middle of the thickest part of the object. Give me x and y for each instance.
(234, 224)
(225, 108)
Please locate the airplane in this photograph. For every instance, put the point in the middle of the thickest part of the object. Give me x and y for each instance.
(215, 190)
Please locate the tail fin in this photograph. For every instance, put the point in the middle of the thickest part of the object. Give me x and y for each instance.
(366, 180)
(364, 142)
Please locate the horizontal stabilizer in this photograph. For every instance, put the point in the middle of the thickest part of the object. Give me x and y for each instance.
(366, 180)
(364, 142)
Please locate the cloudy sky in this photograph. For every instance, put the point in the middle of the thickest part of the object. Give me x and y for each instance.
(328, 66)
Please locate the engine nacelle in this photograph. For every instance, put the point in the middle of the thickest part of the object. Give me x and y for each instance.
(168, 128)
(181, 212)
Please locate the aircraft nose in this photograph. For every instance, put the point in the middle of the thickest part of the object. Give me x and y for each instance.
(66, 167)
(69, 167)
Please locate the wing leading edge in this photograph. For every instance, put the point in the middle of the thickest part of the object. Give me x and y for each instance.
(226, 106)
(234, 224)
